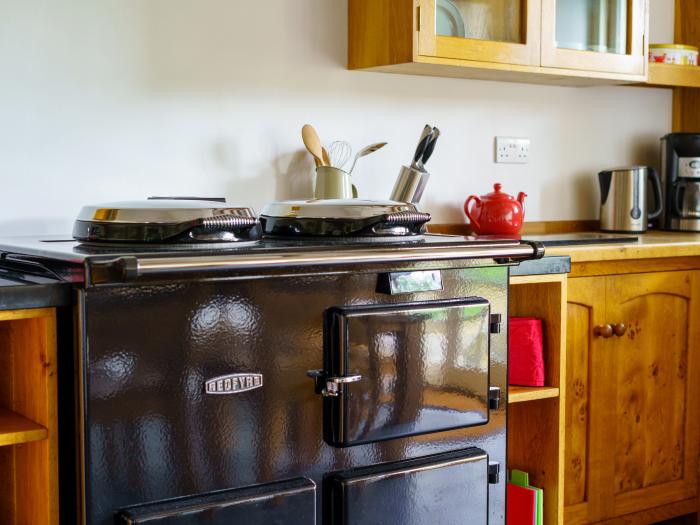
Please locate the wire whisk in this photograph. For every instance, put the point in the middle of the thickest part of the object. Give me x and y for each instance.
(339, 152)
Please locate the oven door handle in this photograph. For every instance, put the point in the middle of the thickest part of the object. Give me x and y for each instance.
(330, 386)
(129, 268)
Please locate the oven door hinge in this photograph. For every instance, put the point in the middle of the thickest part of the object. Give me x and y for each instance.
(494, 472)
(494, 398)
(495, 323)
(330, 386)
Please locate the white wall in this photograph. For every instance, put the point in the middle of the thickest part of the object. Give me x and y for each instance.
(120, 99)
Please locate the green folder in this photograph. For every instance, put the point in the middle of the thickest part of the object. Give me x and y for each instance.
(518, 477)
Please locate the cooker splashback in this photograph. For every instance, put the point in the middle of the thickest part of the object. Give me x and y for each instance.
(196, 405)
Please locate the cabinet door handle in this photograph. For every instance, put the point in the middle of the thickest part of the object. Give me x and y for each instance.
(619, 329)
(605, 331)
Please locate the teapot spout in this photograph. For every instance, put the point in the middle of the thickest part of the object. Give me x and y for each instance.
(521, 197)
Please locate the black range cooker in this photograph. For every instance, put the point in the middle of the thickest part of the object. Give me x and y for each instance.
(343, 377)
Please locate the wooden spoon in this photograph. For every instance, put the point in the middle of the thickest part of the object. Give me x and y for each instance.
(312, 143)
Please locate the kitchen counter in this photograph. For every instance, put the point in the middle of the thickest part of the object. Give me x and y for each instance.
(550, 264)
(651, 245)
(20, 291)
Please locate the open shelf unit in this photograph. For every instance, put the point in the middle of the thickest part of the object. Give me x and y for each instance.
(28, 417)
(669, 75)
(536, 414)
(520, 394)
(16, 429)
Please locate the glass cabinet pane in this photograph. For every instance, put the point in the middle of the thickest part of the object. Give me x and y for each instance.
(592, 25)
(499, 20)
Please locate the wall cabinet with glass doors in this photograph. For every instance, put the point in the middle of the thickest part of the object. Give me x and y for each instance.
(574, 42)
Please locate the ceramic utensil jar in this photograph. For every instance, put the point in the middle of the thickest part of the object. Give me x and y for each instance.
(333, 183)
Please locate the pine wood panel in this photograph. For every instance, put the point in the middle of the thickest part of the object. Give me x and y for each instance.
(535, 424)
(435, 66)
(15, 429)
(686, 101)
(521, 394)
(585, 310)
(380, 32)
(533, 446)
(672, 75)
(624, 266)
(529, 228)
(651, 378)
(655, 515)
(656, 428)
(28, 387)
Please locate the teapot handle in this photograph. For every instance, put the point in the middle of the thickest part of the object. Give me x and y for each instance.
(472, 220)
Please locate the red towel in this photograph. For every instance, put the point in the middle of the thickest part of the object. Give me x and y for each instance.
(521, 505)
(525, 357)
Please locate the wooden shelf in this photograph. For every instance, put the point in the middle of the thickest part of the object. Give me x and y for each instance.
(15, 429)
(519, 394)
(669, 75)
(28, 417)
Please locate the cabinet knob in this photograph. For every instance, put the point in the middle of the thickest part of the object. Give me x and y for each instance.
(619, 329)
(605, 331)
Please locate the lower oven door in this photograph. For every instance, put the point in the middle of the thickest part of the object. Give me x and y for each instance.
(291, 502)
(443, 489)
(398, 370)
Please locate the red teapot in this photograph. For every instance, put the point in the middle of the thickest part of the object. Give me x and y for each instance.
(496, 213)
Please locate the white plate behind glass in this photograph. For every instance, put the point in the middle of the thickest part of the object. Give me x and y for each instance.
(448, 19)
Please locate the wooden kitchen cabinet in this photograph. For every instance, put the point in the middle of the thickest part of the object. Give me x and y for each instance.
(605, 35)
(500, 31)
(631, 431)
(566, 42)
(536, 414)
(28, 417)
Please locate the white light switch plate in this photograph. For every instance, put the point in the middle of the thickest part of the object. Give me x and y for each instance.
(512, 150)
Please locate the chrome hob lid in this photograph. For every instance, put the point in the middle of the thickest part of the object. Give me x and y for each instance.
(166, 221)
(342, 217)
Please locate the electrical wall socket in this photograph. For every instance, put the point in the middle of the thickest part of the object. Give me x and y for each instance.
(512, 150)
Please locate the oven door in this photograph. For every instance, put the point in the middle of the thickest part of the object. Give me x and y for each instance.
(398, 370)
(441, 489)
(290, 502)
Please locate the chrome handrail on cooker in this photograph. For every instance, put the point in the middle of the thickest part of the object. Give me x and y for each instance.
(245, 261)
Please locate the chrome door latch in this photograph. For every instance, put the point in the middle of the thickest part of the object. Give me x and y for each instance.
(494, 472)
(330, 386)
(494, 397)
(495, 321)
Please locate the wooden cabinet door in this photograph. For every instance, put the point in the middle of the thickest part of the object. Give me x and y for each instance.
(607, 36)
(585, 362)
(501, 31)
(651, 438)
(631, 438)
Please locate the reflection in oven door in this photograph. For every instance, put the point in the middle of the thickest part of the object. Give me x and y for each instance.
(443, 489)
(392, 371)
(291, 502)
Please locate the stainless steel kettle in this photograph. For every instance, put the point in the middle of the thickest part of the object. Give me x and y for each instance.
(623, 199)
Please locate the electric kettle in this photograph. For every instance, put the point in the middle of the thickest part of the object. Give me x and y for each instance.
(623, 199)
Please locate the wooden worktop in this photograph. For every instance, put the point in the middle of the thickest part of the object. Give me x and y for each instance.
(651, 245)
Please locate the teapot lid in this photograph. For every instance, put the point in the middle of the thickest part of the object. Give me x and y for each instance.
(497, 194)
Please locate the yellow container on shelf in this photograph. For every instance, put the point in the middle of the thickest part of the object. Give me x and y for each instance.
(677, 54)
